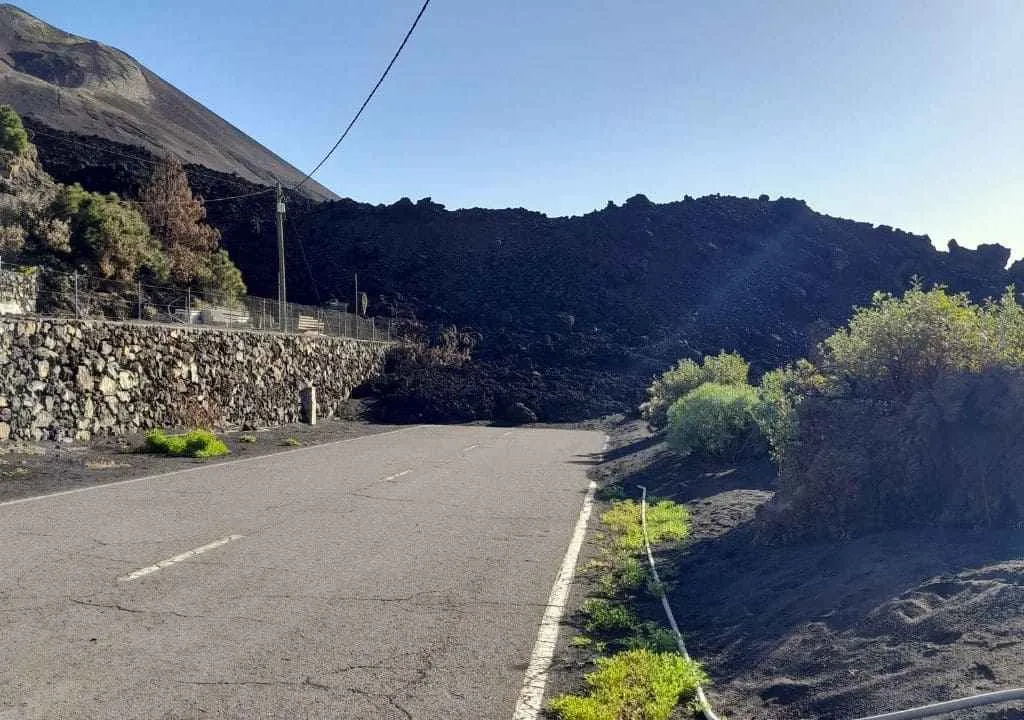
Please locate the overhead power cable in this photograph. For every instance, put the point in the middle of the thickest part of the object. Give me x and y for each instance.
(204, 200)
(368, 97)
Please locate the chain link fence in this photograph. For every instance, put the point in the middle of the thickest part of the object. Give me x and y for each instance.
(43, 292)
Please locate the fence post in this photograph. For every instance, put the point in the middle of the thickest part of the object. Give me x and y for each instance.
(140, 299)
(188, 306)
(78, 314)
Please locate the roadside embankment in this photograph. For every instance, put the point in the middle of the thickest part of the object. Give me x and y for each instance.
(883, 622)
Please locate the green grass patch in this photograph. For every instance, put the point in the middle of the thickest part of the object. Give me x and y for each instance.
(247, 439)
(581, 641)
(195, 444)
(606, 617)
(632, 685)
(627, 576)
(652, 636)
(666, 521)
(646, 677)
(292, 442)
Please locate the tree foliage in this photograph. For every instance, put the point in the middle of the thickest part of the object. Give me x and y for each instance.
(108, 234)
(13, 136)
(176, 220)
(225, 278)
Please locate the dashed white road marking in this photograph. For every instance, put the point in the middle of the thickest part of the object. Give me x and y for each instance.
(389, 478)
(528, 705)
(471, 447)
(178, 558)
(507, 434)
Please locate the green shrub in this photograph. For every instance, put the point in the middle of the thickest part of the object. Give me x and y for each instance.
(918, 425)
(713, 419)
(778, 395)
(607, 617)
(632, 685)
(899, 345)
(196, 444)
(666, 521)
(724, 369)
(12, 132)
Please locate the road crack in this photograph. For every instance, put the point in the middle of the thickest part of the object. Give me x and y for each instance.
(174, 613)
(307, 682)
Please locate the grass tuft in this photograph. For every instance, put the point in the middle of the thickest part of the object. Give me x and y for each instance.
(624, 577)
(194, 444)
(635, 684)
(607, 617)
(665, 521)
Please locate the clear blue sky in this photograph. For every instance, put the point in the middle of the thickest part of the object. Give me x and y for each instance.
(907, 113)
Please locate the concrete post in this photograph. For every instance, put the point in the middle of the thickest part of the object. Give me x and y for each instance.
(307, 400)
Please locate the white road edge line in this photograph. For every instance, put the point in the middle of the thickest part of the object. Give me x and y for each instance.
(203, 467)
(528, 706)
(178, 558)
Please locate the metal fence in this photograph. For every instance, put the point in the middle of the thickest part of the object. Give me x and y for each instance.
(76, 295)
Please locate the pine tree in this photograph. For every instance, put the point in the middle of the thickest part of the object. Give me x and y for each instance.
(175, 219)
(12, 133)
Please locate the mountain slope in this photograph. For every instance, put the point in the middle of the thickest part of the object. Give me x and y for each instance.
(80, 86)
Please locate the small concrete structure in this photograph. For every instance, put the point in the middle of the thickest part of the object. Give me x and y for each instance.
(307, 400)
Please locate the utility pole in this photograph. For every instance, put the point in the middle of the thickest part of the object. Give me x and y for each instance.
(355, 307)
(282, 292)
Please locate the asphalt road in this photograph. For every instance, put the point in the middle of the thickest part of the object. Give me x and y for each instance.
(400, 575)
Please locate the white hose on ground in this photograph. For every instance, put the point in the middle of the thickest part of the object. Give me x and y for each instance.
(702, 699)
(992, 698)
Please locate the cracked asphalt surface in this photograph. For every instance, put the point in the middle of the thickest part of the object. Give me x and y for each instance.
(353, 592)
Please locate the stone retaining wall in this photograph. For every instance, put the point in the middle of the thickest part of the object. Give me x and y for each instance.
(76, 379)
(18, 291)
